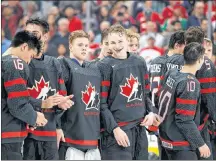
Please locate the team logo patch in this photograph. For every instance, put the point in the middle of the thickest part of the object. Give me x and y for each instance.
(90, 97)
(132, 89)
(41, 90)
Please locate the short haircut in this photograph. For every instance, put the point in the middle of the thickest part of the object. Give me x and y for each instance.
(207, 40)
(77, 34)
(132, 34)
(40, 22)
(117, 28)
(194, 34)
(28, 38)
(193, 52)
(104, 34)
(177, 37)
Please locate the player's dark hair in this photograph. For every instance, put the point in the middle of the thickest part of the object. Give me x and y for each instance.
(40, 22)
(194, 34)
(104, 34)
(177, 37)
(193, 52)
(28, 38)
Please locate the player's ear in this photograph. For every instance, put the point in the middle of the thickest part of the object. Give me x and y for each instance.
(70, 47)
(46, 36)
(24, 47)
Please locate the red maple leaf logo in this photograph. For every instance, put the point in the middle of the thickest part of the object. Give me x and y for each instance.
(36, 90)
(128, 87)
(87, 94)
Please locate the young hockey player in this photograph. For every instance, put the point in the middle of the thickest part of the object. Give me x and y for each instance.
(17, 111)
(204, 75)
(125, 105)
(180, 110)
(212, 125)
(45, 80)
(157, 71)
(80, 124)
(133, 41)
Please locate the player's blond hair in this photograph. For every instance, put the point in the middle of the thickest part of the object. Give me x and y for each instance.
(77, 34)
(117, 28)
(131, 34)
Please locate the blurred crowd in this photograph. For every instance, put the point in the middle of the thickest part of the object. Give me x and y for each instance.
(155, 21)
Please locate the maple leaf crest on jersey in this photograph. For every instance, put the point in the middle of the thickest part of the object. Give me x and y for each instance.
(132, 89)
(41, 90)
(90, 97)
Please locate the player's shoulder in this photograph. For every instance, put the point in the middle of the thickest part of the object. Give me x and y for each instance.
(159, 60)
(186, 80)
(176, 58)
(12, 63)
(139, 60)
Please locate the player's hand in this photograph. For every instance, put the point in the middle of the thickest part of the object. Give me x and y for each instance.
(148, 120)
(157, 120)
(66, 103)
(60, 136)
(121, 137)
(41, 120)
(204, 151)
(52, 101)
(31, 128)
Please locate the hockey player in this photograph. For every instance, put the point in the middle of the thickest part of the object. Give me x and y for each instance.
(179, 109)
(133, 41)
(206, 76)
(104, 46)
(157, 71)
(211, 94)
(80, 124)
(16, 110)
(45, 80)
(125, 105)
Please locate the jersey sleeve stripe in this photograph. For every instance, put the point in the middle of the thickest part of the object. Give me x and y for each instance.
(208, 90)
(147, 86)
(212, 132)
(186, 112)
(18, 134)
(15, 82)
(186, 101)
(62, 92)
(61, 81)
(18, 94)
(146, 76)
(104, 94)
(208, 80)
(105, 83)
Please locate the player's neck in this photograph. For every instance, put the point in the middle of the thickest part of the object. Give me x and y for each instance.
(101, 56)
(73, 57)
(122, 55)
(38, 56)
(189, 69)
(172, 52)
(15, 52)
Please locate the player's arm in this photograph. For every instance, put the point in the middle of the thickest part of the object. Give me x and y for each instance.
(207, 81)
(62, 79)
(108, 119)
(187, 96)
(148, 102)
(15, 78)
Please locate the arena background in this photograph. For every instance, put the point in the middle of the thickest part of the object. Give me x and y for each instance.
(151, 19)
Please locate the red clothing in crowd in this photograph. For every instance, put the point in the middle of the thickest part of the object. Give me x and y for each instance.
(168, 12)
(141, 18)
(13, 21)
(75, 24)
(213, 10)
